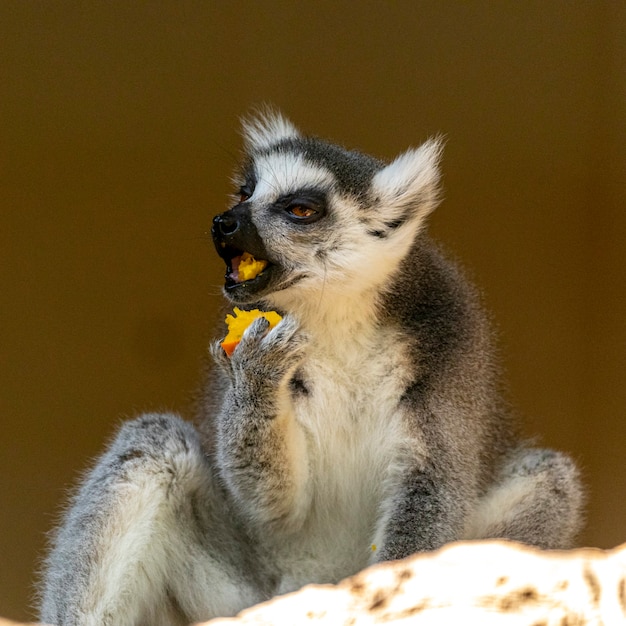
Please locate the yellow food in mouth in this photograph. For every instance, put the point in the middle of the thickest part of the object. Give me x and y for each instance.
(238, 323)
(249, 267)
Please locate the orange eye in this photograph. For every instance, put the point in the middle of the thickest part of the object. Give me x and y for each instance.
(304, 210)
(301, 211)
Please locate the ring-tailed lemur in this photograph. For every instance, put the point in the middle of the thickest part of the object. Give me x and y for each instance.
(366, 426)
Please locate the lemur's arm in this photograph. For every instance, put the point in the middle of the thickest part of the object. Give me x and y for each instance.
(428, 502)
(422, 514)
(261, 449)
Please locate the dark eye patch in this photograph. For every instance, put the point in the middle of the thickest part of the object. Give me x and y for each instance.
(304, 206)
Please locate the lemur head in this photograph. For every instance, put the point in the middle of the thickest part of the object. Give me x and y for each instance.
(324, 218)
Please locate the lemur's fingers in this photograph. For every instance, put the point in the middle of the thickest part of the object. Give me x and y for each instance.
(286, 343)
(256, 331)
(269, 356)
(287, 336)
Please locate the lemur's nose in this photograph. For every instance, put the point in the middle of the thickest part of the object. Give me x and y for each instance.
(226, 224)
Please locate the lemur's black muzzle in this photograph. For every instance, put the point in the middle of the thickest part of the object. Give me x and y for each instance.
(238, 242)
(234, 233)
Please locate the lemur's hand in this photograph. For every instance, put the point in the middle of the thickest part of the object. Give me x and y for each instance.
(264, 360)
(259, 441)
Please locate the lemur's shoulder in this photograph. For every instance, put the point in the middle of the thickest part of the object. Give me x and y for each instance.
(430, 292)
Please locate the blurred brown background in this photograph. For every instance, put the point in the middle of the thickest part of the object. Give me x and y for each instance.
(118, 132)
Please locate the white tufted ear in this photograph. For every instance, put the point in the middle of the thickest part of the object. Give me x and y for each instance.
(411, 181)
(265, 128)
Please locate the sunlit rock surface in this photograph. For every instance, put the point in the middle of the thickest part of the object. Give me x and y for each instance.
(464, 583)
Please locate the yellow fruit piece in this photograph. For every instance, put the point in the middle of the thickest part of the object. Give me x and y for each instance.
(238, 323)
(249, 267)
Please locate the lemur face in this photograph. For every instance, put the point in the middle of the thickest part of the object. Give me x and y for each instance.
(320, 216)
(292, 212)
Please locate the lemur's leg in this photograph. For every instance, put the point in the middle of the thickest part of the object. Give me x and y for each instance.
(261, 449)
(147, 538)
(536, 500)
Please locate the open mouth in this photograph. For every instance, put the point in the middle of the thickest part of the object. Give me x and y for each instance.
(245, 267)
(242, 268)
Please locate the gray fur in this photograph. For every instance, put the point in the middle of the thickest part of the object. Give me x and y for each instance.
(366, 426)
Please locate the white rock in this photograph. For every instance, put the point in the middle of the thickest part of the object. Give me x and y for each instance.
(492, 582)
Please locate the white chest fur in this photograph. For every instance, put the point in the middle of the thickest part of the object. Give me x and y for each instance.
(354, 435)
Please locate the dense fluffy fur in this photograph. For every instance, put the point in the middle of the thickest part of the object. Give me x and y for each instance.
(366, 426)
